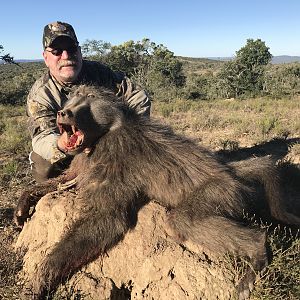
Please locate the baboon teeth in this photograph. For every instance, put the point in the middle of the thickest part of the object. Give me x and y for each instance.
(60, 128)
(75, 139)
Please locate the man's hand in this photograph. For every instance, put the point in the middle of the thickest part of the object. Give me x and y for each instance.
(63, 141)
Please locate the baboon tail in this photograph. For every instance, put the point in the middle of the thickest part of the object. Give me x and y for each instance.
(264, 170)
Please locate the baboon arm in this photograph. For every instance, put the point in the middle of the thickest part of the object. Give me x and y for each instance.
(29, 198)
(89, 237)
(104, 219)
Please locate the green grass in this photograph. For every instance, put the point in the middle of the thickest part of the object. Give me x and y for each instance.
(9, 170)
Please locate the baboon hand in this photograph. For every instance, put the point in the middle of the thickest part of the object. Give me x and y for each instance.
(30, 197)
(21, 213)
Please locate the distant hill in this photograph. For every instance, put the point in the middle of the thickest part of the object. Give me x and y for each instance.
(24, 60)
(200, 59)
(280, 59)
(28, 60)
(284, 59)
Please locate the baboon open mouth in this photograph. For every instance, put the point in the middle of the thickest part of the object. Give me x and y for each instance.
(75, 136)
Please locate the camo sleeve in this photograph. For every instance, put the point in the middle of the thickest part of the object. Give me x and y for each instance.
(42, 126)
(135, 96)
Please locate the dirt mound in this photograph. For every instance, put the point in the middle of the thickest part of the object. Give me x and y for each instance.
(146, 264)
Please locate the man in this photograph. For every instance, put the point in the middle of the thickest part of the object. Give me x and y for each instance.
(67, 70)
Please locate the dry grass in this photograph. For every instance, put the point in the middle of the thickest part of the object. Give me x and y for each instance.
(281, 280)
(246, 122)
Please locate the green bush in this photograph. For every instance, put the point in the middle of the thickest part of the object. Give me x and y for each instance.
(282, 80)
(152, 66)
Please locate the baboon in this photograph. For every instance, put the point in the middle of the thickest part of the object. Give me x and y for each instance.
(123, 160)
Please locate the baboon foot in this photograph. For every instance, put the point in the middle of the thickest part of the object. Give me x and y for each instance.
(253, 271)
(245, 286)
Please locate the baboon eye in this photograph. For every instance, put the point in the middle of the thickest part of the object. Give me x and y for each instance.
(77, 94)
(91, 95)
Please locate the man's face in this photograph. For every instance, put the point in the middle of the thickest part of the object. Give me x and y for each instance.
(64, 59)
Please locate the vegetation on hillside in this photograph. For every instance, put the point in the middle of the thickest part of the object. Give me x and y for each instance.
(16, 81)
(167, 77)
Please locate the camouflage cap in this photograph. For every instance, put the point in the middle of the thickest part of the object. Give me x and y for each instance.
(56, 29)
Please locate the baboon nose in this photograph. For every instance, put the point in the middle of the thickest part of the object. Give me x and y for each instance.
(61, 113)
(65, 113)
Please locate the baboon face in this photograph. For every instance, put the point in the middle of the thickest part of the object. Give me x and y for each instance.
(87, 116)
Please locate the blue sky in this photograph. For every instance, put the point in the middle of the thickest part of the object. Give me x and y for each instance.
(193, 28)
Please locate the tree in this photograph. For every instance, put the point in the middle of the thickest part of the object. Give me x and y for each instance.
(95, 49)
(254, 54)
(151, 65)
(6, 57)
(282, 80)
(245, 73)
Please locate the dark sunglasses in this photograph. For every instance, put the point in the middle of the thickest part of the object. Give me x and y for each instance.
(57, 52)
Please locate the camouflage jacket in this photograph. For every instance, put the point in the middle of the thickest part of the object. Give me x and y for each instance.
(47, 96)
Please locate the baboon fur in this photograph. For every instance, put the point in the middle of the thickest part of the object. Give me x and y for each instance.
(133, 159)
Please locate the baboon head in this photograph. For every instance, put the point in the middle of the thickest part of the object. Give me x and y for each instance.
(88, 115)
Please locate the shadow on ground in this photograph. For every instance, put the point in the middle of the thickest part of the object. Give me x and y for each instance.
(6, 216)
(277, 148)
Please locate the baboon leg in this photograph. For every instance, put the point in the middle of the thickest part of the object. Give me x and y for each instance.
(89, 237)
(220, 236)
(263, 170)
